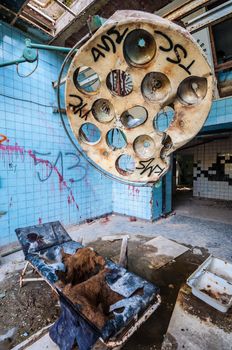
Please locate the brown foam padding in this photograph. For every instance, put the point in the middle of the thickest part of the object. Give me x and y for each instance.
(94, 297)
(81, 265)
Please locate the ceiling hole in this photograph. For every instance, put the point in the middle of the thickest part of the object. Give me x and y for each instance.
(134, 117)
(164, 118)
(125, 165)
(90, 134)
(192, 90)
(86, 80)
(103, 110)
(139, 47)
(116, 139)
(155, 86)
(144, 146)
(119, 82)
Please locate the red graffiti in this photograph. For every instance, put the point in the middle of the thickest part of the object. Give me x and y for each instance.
(16, 149)
(62, 182)
(10, 151)
(133, 191)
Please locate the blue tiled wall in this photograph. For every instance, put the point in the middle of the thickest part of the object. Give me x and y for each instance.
(225, 75)
(132, 201)
(42, 177)
(221, 112)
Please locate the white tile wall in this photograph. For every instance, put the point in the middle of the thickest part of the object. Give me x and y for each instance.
(205, 155)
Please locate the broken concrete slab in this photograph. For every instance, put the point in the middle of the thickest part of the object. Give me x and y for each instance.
(165, 250)
(196, 325)
(167, 246)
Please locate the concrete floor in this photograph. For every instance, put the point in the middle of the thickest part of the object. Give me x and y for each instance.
(199, 223)
(204, 226)
(185, 204)
(193, 223)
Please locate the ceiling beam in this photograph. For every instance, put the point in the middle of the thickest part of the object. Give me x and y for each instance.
(66, 8)
(171, 7)
(20, 11)
(26, 18)
(66, 25)
(181, 9)
(42, 4)
(41, 13)
(212, 16)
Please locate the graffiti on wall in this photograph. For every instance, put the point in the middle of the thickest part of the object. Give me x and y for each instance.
(56, 164)
(61, 164)
(3, 138)
(133, 191)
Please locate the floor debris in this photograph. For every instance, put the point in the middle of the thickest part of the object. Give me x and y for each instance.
(2, 294)
(165, 250)
(28, 309)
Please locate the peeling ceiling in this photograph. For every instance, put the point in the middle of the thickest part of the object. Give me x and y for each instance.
(63, 22)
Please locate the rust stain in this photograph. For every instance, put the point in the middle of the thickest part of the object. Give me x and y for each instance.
(205, 312)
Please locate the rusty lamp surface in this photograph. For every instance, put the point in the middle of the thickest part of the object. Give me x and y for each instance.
(139, 89)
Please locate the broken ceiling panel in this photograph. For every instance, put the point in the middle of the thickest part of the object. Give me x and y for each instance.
(64, 22)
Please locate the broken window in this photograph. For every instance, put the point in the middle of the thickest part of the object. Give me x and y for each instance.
(221, 40)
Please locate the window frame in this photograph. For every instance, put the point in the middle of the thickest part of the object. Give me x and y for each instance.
(218, 66)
